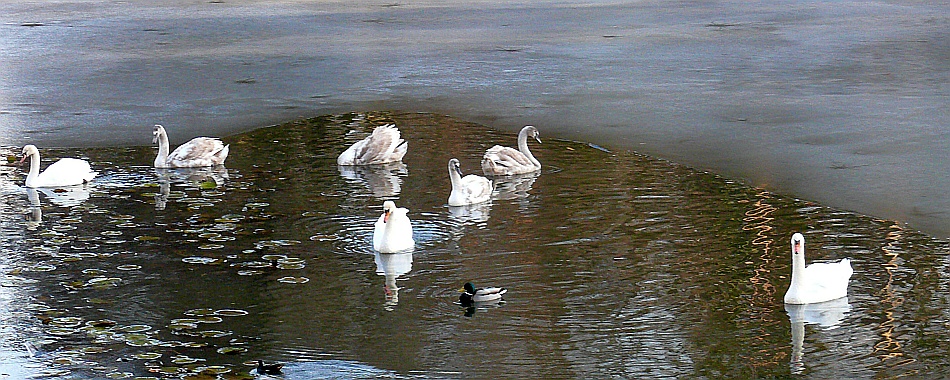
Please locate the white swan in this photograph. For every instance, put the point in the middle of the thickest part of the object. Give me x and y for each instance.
(393, 231)
(818, 282)
(467, 190)
(65, 172)
(501, 161)
(199, 152)
(383, 146)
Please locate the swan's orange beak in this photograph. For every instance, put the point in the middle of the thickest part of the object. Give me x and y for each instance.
(22, 159)
(386, 216)
(798, 246)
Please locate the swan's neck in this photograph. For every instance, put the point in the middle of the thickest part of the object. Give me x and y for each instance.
(798, 268)
(455, 177)
(523, 147)
(34, 169)
(160, 160)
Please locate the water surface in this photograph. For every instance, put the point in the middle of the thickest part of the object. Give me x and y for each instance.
(617, 265)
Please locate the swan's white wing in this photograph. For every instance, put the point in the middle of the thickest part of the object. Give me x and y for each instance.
(477, 188)
(501, 160)
(381, 147)
(199, 152)
(65, 172)
(828, 280)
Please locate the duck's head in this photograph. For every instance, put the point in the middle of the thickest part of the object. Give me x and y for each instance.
(28, 150)
(469, 288)
(798, 244)
(157, 132)
(388, 208)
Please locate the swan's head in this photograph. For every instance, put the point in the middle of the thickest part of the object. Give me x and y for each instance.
(455, 166)
(388, 208)
(29, 150)
(533, 132)
(798, 244)
(157, 132)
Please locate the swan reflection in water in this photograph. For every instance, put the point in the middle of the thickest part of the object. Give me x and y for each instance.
(392, 265)
(35, 218)
(827, 315)
(383, 180)
(475, 213)
(514, 187)
(212, 176)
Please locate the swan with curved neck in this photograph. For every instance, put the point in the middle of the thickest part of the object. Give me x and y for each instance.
(65, 172)
(393, 230)
(470, 189)
(818, 282)
(383, 146)
(502, 161)
(196, 153)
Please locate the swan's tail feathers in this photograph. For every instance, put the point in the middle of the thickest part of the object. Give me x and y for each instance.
(222, 155)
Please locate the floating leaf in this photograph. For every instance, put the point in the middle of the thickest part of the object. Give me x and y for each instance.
(147, 356)
(201, 260)
(199, 312)
(231, 350)
(293, 280)
(104, 281)
(213, 334)
(95, 350)
(135, 328)
(231, 313)
(66, 322)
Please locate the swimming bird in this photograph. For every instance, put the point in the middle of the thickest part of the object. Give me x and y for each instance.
(502, 161)
(65, 172)
(470, 294)
(469, 189)
(383, 146)
(269, 368)
(818, 282)
(393, 230)
(198, 152)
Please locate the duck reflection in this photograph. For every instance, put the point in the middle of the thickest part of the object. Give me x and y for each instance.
(392, 265)
(382, 180)
(827, 315)
(514, 187)
(475, 213)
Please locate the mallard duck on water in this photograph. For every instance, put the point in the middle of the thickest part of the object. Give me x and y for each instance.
(470, 295)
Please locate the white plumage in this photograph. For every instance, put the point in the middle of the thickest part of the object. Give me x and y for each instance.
(818, 282)
(381, 147)
(393, 230)
(470, 189)
(503, 161)
(196, 153)
(65, 172)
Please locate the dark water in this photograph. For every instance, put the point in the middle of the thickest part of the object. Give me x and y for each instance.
(617, 265)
